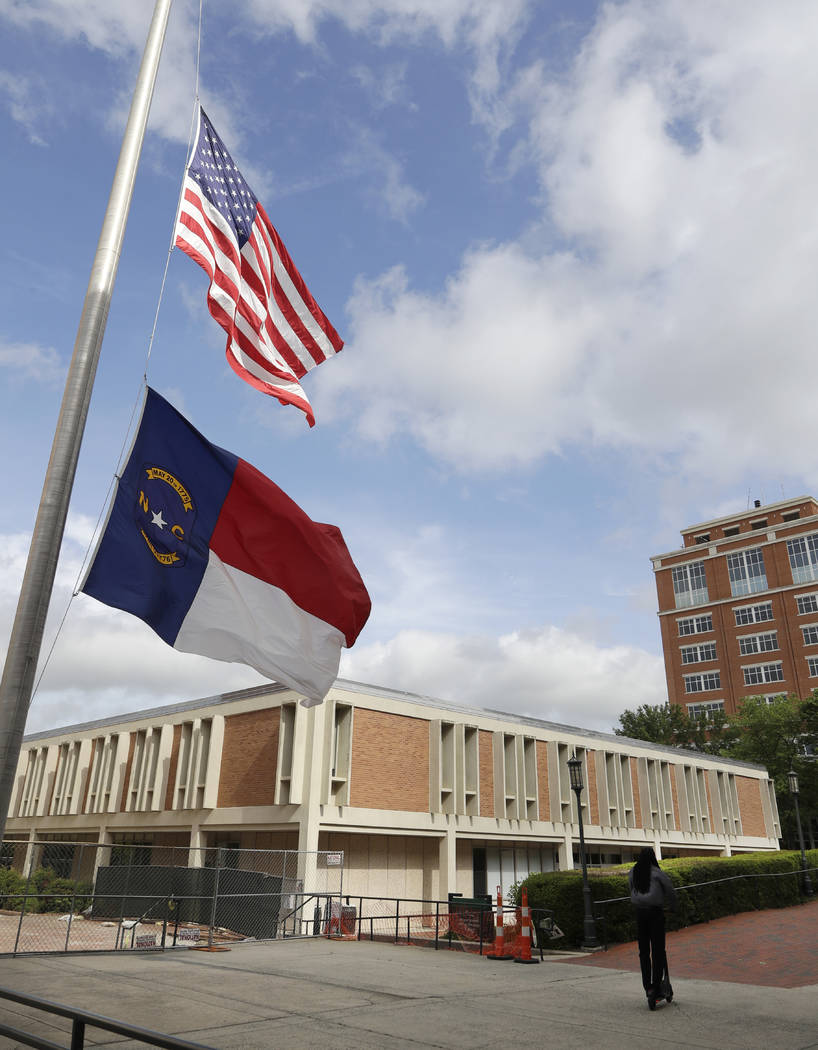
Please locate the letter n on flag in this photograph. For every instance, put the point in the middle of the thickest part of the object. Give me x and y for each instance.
(219, 561)
(276, 331)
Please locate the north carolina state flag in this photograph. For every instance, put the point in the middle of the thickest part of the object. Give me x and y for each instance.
(219, 561)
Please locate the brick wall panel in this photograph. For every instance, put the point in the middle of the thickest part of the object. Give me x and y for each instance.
(637, 801)
(487, 774)
(390, 761)
(542, 780)
(593, 794)
(127, 779)
(674, 791)
(710, 812)
(174, 762)
(249, 759)
(749, 803)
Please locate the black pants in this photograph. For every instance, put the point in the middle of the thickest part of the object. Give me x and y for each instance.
(650, 930)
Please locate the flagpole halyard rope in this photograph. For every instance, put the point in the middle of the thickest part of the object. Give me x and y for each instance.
(127, 441)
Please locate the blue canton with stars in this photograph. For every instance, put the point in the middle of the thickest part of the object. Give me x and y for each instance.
(221, 182)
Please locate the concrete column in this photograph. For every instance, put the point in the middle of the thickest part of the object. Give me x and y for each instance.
(727, 850)
(103, 857)
(448, 863)
(309, 818)
(565, 853)
(195, 856)
(28, 864)
(657, 846)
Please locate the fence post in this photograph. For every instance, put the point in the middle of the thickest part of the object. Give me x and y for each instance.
(437, 922)
(77, 1034)
(119, 935)
(219, 851)
(70, 916)
(360, 915)
(32, 844)
(397, 920)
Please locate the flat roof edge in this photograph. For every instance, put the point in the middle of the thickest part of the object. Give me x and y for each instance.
(348, 685)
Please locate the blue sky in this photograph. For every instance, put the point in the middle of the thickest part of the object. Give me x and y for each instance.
(571, 248)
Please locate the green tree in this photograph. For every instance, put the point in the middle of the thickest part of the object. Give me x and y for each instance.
(671, 725)
(782, 734)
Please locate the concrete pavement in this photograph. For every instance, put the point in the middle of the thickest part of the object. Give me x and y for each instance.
(343, 995)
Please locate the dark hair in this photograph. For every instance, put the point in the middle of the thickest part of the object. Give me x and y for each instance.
(642, 869)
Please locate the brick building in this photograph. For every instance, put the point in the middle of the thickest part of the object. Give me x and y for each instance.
(423, 797)
(738, 607)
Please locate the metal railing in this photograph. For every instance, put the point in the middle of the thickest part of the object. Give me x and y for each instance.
(605, 904)
(82, 1019)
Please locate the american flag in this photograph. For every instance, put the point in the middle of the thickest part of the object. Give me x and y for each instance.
(276, 332)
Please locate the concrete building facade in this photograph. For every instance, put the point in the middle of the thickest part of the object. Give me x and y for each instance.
(738, 607)
(423, 797)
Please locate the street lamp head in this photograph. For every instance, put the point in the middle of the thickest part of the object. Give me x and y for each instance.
(792, 776)
(575, 772)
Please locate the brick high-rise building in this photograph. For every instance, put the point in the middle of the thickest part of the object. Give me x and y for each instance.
(738, 607)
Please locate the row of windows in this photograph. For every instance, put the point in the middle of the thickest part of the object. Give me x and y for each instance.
(748, 645)
(747, 614)
(746, 572)
(704, 710)
(694, 654)
(754, 674)
(744, 615)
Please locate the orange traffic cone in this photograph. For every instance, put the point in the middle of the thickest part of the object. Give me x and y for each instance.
(499, 942)
(524, 955)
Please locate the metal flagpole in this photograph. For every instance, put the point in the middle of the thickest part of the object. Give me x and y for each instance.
(29, 621)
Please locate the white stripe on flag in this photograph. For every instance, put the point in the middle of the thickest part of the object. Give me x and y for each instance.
(297, 303)
(239, 618)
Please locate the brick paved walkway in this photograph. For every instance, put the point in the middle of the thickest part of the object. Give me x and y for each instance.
(776, 948)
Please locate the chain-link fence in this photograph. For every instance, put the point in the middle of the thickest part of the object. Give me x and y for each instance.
(58, 896)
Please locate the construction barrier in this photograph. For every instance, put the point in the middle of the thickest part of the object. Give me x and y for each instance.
(499, 952)
(523, 955)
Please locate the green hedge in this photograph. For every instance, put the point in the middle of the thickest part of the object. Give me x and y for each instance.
(561, 892)
(45, 891)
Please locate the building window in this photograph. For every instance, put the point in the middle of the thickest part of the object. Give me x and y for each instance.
(733, 530)
(758, 643)
(704, 538)
(696, 624)
(753, 613)
(758, 674)
(810, 633)
(759, 523)
(689, 584)
(792, 515)
(701, 683)
(812, 664)
(695, 654)
(704, 710)
(803, 552)
(746, 569)
(807, 603)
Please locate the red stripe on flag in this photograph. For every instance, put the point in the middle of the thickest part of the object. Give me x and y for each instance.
(262, 532)
(318, 314)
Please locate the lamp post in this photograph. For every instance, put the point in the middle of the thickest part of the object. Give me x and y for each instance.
(575, 774)
(792, 776)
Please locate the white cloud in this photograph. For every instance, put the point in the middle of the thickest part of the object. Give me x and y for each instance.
(368, 158)
(678, 317)
(30, 361)
(545, 673)
(104, 661)
(25, 102)
(385, 87)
